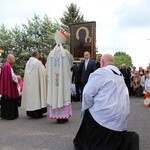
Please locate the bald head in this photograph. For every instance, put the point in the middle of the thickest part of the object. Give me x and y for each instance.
(107, 59)
(11, 58)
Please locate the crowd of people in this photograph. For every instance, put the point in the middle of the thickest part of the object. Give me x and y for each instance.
(138, 82)
(102, 88)
(136, 79)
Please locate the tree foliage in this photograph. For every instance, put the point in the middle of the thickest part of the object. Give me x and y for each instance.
(122, 58)
(5, 40)
(71, 16)
(37, 34)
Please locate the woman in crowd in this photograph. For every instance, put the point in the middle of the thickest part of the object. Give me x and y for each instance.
(135, 84)
(147, 91)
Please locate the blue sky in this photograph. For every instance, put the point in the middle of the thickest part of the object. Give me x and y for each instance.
(121, 25)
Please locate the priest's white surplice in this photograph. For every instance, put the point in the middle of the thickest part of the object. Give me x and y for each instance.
(34, 90)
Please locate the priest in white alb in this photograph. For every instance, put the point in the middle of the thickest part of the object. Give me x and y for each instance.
(34, 90)
(58, 65)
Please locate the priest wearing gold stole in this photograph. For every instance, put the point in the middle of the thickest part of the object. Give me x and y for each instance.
(34, 90)
(58, 65)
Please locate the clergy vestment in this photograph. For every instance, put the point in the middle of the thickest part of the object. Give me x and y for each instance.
(105, 109)
(34, 90)
(59, 63)
(9, 92)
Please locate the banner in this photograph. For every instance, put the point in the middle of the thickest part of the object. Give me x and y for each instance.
(83, 38)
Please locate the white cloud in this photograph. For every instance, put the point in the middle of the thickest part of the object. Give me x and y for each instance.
(135, 14)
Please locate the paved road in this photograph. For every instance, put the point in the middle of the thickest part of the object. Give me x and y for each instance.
(44, 134)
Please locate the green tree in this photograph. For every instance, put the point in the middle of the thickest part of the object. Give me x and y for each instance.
(17, 48)
(71, 16)
(5, 41)
(37, 34)
(48, 29)
(16, 37)
(122, 58)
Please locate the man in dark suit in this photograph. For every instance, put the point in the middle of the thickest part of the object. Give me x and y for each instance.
(86, 68)
(127, 76)
(76, 80)
(98, 60)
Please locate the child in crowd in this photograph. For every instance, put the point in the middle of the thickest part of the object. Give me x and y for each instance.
(147, 91)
